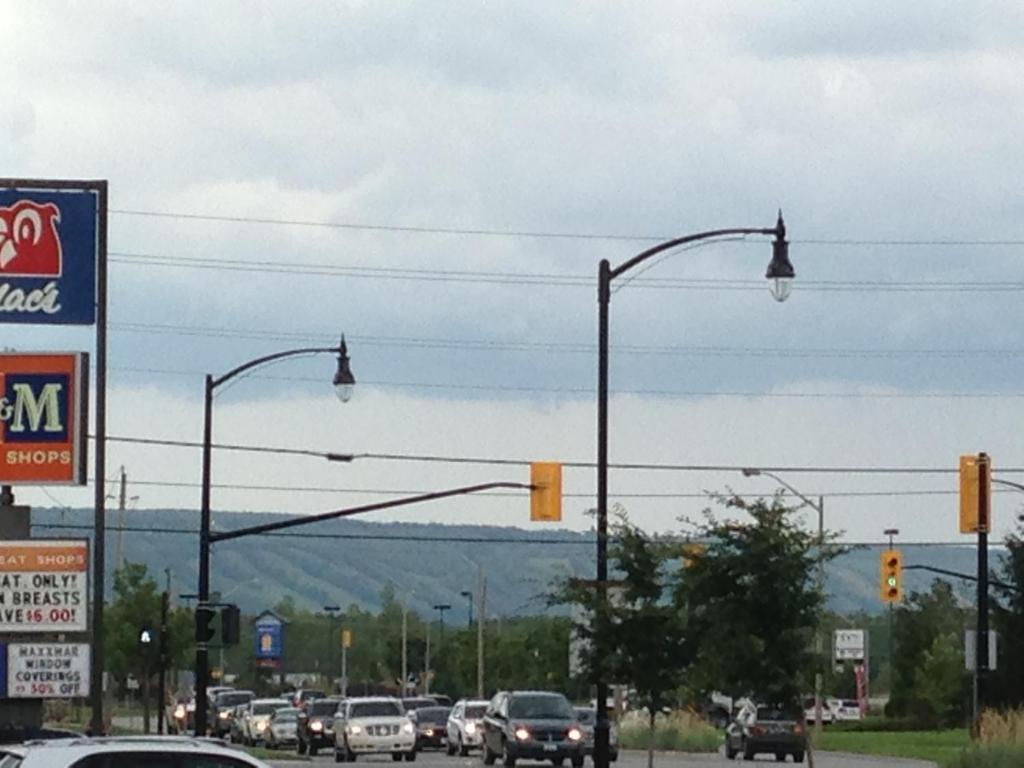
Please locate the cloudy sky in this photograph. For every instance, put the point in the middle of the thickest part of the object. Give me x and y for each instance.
(439, 181)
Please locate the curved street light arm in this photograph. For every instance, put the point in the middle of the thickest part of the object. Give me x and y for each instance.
(216, 382)
(1008, 484)
(641, 257)
(790, 488)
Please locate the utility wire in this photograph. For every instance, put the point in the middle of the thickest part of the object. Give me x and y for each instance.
(483, 232)
(493, 461)
(467, 539)
(665, 393)
(548, 279)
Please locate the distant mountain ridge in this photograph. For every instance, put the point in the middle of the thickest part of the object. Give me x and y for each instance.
(344, 562)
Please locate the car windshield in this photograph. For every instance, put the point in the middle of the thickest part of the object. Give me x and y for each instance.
(475, 712)
(307, 695)
(851, 704)
(540, 707)
(285, 716)
(432, 715)
(775, 713)
(323, 707)
(375, 709)
(267, 708)
(586, 716)
(233, 699)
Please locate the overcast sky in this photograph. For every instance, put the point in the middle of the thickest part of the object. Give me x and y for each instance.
(452, 174)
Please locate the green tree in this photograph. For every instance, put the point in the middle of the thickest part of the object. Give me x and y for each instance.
(920, 622)
(1007, 686)
(751, 600)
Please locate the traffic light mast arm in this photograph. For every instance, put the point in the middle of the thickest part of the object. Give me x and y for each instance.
(959, 575)
(238, 533)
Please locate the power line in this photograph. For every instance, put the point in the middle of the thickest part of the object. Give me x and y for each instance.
(496, 345)
(549, 279)
(484, 232)
(524, 494)
(466, 539)
(666, 393)
(518, 462)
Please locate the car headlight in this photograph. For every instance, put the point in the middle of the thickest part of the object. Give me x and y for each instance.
(407, 727)
(355, 730)
(261, 726)
(522, 734)
(223, 715)
(317, 726)
(179, 712)
(470, 728)
(575, 734)
(429, 732)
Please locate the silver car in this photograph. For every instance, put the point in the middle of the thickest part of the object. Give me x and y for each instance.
(465, 726)
(282, 728)
(127, 752)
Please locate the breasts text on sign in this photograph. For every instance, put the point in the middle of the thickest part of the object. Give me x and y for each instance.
(44, 585)
(47, 670)
(48, 252)
(43, 418)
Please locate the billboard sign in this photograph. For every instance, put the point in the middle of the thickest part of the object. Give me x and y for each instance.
(269, 636)
(43, 418)
(44, 585)
(850, 645)
(48, 253)
(47, 670)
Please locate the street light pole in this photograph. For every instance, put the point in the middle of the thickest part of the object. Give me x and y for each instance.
(781, 272)
(344, 381)
(332, 612)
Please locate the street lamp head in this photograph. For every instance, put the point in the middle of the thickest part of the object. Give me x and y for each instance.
(780, 270)
(344, 381)
(750, 472)
(891, 532)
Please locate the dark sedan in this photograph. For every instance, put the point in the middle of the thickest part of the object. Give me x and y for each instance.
(767, 729)
(431, 726)
(316, 725)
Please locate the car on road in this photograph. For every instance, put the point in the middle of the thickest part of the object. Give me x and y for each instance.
(412, 703)
(257, 720)
(223, 710)
(764, 728)
(587, 718)
(845, 709)
(531, 725)
(373, 725)
(315, 728)
(465, 726)
(181, 716)
(126, 752)
(282, 728)
(303, 696)
(827, 712)
(431, 726)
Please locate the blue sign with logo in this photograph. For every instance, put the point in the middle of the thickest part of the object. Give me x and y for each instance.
(48, 255)
(269, 639)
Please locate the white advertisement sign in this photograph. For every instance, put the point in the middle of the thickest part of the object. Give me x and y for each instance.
(44, 585)
(47, 670)
(849, 644)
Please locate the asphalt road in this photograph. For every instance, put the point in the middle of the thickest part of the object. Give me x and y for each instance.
(632, 759)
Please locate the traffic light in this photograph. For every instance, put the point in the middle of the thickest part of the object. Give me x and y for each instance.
(230, 632)
(346, 638)
(892, 576)
(975, 483)
(546, 491)
(204, 624)
(692, 551)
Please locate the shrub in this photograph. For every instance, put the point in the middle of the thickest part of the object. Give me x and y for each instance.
(884, 724)
(988, 757)
(1005, 729)
(680, 731)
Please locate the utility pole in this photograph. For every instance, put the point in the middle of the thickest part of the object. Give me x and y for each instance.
(405, 648)
(426, 664)
(891, 532)
(981, 666)
(122, 500)
(481, 619)
(165, 601)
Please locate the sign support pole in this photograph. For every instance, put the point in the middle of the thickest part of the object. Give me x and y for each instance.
(100, 472)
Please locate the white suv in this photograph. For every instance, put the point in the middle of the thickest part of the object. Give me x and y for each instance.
(373, 726)
(126, 752)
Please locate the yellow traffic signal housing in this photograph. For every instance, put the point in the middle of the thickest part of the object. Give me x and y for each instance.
(892, 576)
(975, 483)
(546, 491)
(346, 638)
(691, 551)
